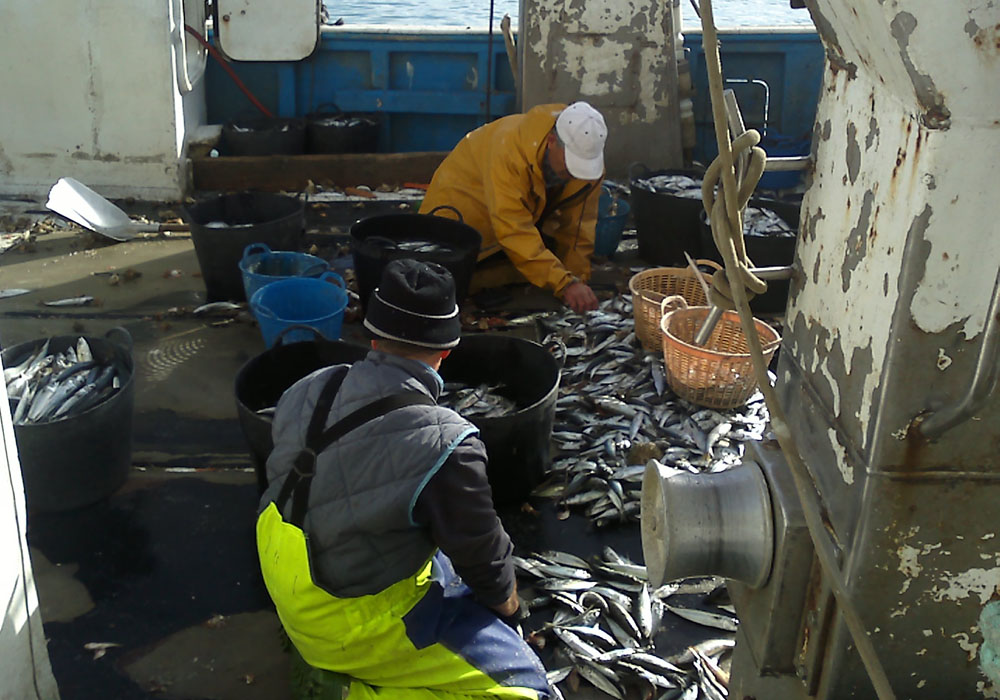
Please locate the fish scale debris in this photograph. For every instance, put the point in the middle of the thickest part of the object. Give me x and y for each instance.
(604, 634)
(615, 412)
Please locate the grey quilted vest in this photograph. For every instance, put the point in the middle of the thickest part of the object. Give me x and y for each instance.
(362, 536)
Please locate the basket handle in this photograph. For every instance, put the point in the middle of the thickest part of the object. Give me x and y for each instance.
(333, 278)
(280, 338)
(708, 263)
(649, 295)
(461, 219)
(554, 344)
(320, 266)
(321, 105)
(672, 299)
(120, 337)
(632, 168)
(256, 249)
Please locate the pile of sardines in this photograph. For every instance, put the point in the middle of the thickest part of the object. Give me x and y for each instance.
(48, 386)
(482, 401)
(601, 619)
(615, 412)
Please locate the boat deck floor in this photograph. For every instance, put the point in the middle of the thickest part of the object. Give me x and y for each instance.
(164, 572)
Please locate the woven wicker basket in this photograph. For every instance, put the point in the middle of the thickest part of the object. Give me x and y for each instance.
(652, 286)
(719, 374)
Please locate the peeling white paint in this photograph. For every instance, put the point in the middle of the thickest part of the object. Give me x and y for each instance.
(943, 361)
(921, 683)
(988, 536)
(922, 652)
(859, 325)
(987, 691)
(601, 67)
(900, 434)
(969, 647)
(928, 633)
(909, 561)
(843, 463)
(979, 582)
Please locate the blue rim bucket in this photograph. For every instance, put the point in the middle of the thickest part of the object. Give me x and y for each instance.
(301, 301)
(609, 229)
(261, 266)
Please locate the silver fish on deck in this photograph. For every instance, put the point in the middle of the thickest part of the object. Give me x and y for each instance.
(606, 637)
(13, 292)
(70, 301)
(614, 412)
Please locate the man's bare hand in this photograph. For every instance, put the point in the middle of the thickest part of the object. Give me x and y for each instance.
(509, 606)
(579, 297)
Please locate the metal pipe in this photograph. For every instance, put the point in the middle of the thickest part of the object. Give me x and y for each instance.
(783, 163)
(703, 334)
(984, 379)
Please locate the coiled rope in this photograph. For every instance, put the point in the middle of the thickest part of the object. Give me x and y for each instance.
(733, 290)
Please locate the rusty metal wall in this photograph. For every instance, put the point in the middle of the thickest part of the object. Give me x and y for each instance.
(897, 267)
(618, 56)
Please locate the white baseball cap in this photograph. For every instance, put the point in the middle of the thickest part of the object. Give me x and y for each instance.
(583, 132)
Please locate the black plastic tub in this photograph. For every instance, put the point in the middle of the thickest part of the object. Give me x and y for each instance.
(334, 131)
(375, 242)
(263, 136)
(666, 225)
(79, 459)
(517, 444)
(223, 226)
(263, 379)
(763, 251)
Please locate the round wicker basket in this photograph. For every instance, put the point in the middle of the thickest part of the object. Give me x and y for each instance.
(650, 287)
(720, 373)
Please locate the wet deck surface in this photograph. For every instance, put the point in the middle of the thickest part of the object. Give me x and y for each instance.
(165, 569)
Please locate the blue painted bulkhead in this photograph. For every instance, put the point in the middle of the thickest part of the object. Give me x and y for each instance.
(430, 85)
(776, 76)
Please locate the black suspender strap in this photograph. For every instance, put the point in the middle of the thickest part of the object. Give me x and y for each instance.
(301, 468)
(299, 480)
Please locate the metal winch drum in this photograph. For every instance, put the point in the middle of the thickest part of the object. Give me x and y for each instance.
(707, 524)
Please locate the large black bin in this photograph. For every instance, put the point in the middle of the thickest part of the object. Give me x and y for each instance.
(375, 242)
(263, 379)
(224, 225)
(666, 225)
(263, 136)
(329, 130)
(518, 444)
(764, 250)
(79, 459)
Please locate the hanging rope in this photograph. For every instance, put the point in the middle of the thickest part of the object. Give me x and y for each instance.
(739, 284)
(229, 71)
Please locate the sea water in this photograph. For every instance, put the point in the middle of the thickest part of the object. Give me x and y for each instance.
(476, 13)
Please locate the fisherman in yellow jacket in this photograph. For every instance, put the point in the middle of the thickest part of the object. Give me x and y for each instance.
(530, 183)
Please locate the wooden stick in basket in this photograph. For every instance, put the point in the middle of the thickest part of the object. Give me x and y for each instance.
(698, 274)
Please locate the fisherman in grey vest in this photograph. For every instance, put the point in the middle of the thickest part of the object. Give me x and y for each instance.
(377, 535)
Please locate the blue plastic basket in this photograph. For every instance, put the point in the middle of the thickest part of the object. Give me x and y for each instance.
(609, 226)
(261, 266)
(301, 301)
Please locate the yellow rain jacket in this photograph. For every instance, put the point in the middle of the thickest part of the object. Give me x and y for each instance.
(495, 178)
